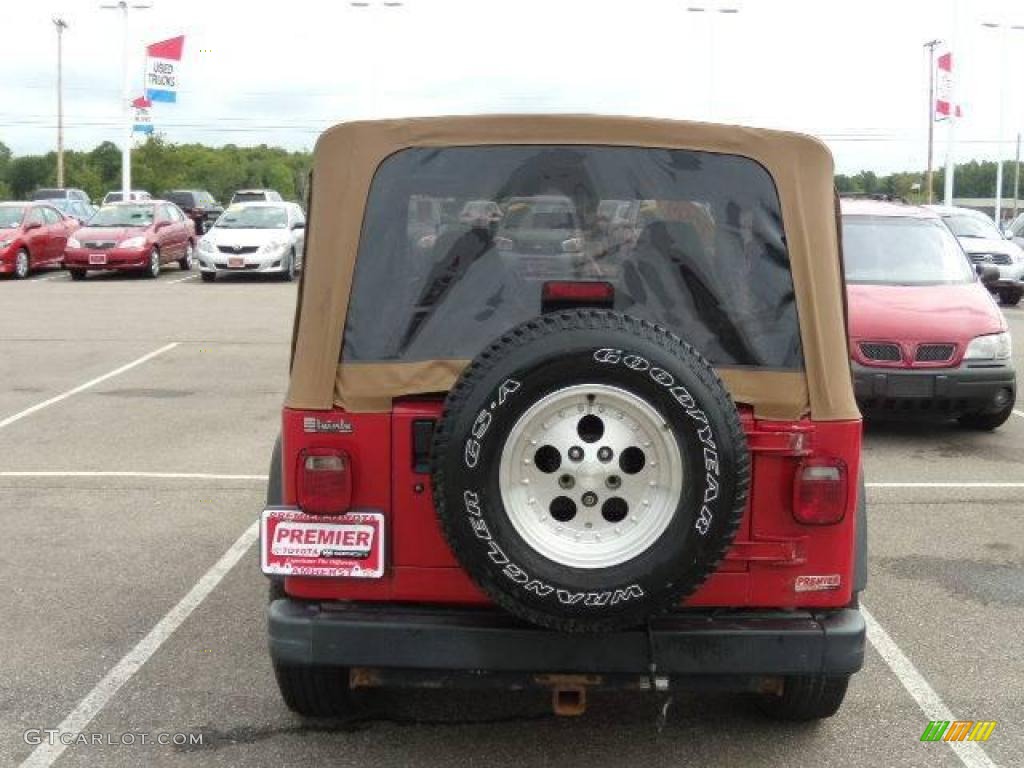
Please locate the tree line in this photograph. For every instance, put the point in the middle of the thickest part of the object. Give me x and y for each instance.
(159, 166)
(974, 178)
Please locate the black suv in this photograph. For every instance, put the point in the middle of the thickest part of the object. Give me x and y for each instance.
(198, 205)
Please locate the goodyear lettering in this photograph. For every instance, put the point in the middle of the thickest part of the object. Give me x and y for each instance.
(471, 455)
(507, 388)
(635, 363)
(662, 377)
(711, 460)
(481, 424)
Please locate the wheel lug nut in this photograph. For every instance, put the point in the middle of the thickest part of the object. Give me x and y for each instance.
(589, 499)
(604, 454)
(576, 453)
(613, 482)
(566, 481)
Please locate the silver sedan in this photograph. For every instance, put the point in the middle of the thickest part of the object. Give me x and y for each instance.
(260, 238)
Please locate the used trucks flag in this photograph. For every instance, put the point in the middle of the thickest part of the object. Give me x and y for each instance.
(143, 120)
(944, 87)
(162, 62)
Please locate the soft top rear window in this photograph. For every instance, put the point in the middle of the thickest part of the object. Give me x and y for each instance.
(691, 240)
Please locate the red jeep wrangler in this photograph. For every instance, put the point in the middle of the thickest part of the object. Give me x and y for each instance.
(606, 436)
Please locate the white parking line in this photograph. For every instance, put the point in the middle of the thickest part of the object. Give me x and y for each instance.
(82, 387)
(1018, 413)
(46, 753)
(970, 752)
(182, 279)
(944, 485)
(153, 475)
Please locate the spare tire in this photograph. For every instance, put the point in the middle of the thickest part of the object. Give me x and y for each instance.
(589, 470)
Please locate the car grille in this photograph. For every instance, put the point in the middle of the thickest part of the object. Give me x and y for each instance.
(933, 353)
(1000, 258)
(238, 250)
(98, 244)
(980, 258)
(889, 353)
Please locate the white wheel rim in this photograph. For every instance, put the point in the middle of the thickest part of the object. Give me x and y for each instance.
(21, 264)
(617, 510)
(154, 262)
(188, 255)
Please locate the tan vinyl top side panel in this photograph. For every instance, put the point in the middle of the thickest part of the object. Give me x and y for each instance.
(347, 156)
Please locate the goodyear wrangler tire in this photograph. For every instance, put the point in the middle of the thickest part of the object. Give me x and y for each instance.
(590, 470)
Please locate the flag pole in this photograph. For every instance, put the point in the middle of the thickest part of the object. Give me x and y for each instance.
(954, 103)
(930, 45)
(126, 109)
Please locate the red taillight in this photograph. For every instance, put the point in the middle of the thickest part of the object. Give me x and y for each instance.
(324, 481)
(577, 292)
(819, 492)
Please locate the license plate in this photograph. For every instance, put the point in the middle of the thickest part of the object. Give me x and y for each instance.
(236, 262)
(293, 543)
(97, 258)
(912, 386)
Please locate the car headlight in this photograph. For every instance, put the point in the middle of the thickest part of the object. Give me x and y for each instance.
(5, 243)
(206, 246)
(994, 346)
(273, 245)
(133, 242)
(72, 243)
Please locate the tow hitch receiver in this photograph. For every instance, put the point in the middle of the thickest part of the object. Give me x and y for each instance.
(568, 692)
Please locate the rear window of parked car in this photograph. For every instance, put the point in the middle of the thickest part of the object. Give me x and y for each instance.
(695, 244)
(183, 199)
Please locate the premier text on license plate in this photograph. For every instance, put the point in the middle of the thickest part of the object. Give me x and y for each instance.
(296, 544)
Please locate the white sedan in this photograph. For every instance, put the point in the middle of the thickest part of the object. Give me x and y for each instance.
(261, 238)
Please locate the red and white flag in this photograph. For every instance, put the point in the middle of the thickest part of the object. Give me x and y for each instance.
(944, 88)
(163, 60)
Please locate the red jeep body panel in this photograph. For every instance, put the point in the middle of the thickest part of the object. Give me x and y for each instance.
(770, 551)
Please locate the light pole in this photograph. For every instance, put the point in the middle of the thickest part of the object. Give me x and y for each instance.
(370, 6)
(60, 25)
(930, 45)
(126, 114)
(1002, 114)
(715, 12)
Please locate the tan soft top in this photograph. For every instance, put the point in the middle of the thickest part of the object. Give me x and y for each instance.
(347, 156)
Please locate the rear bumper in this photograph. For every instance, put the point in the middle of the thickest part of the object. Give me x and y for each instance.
(937, 391)
(705, 645)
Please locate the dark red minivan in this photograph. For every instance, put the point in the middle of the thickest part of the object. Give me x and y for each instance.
(926, 337)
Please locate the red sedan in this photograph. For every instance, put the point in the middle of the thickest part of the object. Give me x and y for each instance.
(32, 235)
(139, 236)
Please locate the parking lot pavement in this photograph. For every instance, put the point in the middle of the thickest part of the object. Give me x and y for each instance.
(98, 561)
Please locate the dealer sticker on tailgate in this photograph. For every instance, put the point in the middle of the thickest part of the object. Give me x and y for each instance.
(296, 544)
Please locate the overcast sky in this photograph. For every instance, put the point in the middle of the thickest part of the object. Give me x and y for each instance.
(850, 71)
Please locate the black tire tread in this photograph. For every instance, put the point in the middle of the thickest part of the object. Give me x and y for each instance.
(593, 320)
(806, 698)
(316, 691)
(986, 421)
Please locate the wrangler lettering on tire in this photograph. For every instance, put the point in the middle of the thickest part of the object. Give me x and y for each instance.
(590, 470)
